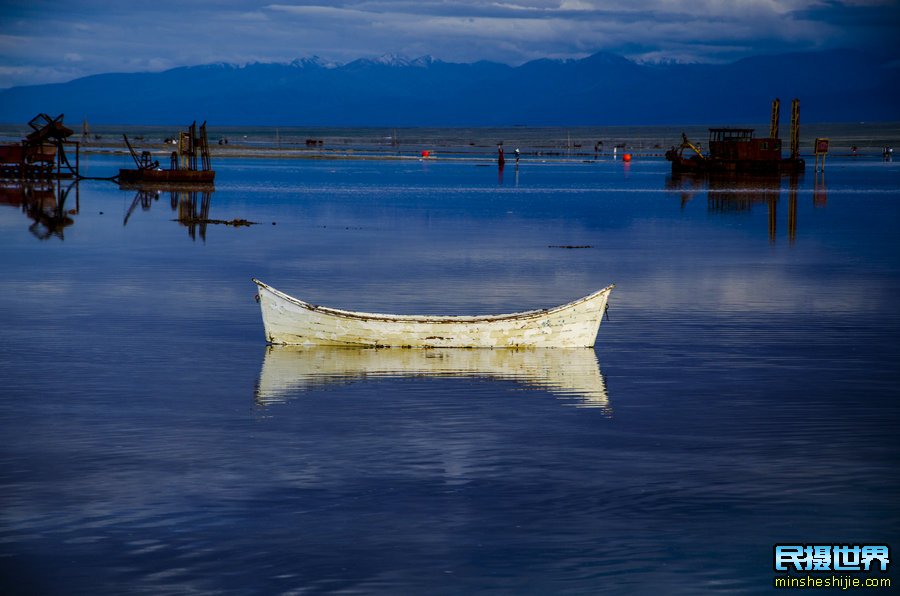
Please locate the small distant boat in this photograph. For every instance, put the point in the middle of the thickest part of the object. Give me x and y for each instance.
(290, 321)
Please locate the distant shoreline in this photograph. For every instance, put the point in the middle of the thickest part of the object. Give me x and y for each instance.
(470, 143)
(447, 154)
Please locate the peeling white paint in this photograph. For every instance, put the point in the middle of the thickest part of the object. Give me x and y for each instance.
(290, 321)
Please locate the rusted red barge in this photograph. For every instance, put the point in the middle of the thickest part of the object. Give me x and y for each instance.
(189, 163)
(736, 150)
(159, 175)
(41, 155)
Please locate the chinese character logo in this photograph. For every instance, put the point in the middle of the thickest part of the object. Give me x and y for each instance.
(832, 557)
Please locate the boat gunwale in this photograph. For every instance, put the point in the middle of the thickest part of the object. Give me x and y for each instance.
(432, 319)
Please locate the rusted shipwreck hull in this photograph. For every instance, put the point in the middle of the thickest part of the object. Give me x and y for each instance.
(738, 151)
(189, 164)
(696, 165)
(734, 151)
(168, 176)
(290, 321)
(41, 154)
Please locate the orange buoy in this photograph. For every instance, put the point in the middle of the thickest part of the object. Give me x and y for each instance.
(626, 157)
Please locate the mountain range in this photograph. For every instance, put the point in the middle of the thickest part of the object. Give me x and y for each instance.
(602, 89)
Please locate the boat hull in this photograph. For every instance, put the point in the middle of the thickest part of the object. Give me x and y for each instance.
(190, 176)
(289, 321)
(696, 165)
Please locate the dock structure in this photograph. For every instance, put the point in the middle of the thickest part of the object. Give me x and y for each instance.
(41, 155)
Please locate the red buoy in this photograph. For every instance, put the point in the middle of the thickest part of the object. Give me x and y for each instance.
(626, 157)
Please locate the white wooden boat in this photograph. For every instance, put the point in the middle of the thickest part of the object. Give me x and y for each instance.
(573, 376)
(290, 321)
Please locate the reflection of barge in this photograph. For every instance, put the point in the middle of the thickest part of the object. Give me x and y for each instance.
(190, 201)
(190, 163)
(736, 150)
(44, 202)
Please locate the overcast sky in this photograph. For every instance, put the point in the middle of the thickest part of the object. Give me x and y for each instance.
(43, 41)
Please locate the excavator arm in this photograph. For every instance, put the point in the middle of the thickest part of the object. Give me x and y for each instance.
(687, 144)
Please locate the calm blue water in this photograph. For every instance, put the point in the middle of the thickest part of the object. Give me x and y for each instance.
(744, 391)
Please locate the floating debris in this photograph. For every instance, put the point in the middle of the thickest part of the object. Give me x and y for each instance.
(236, 222)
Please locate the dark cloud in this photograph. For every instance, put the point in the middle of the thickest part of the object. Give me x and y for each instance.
(52, 40)
(870, 25)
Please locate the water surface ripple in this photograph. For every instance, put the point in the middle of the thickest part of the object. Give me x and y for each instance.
(152, 443)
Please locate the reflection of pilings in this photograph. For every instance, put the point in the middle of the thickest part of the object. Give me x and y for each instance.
(735, 195)
(792, 208)
(773, 218)
(792, 215)
(739, 194)
(194, 213)
(820, 194)
(189, 202)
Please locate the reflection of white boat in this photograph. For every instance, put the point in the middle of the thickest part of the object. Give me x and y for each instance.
(573, 374)
(291, 321)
